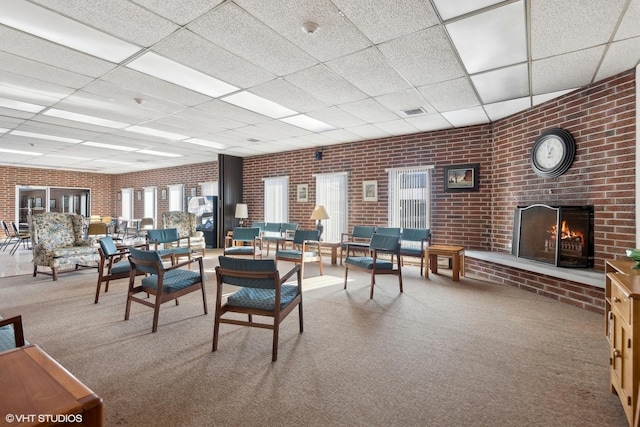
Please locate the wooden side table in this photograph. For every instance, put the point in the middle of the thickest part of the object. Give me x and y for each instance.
(37, 390)
(455, 252)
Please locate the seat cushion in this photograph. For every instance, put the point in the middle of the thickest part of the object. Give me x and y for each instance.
(121, 267)
(174, 280)
(367, 263)
(409, 250)
(262, 299)
(239, 250)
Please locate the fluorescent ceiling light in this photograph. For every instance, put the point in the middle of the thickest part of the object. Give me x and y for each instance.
(205, 143)
(156, 132)
(449, 9)
(28, 153)
(112, 161)
(3, 130)
(43, 136)
(49, 25)
(19, 105)
(258, 104)
(109, 146)
(68, 115)
(305, 122)
(158, 153)
(492, 39)
(158, 66)
(502, 84)
(67, 157)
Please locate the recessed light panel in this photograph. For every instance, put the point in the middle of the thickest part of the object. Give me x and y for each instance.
(83, 118)
(21, 106)
(43, 136)
(155, 132)
(258, 104)
(305, 122)
(205, 143)
(51, 26)
(159, 153)
(170, 71)
(109, 146)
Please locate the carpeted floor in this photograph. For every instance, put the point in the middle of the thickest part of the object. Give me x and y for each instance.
(440, 354)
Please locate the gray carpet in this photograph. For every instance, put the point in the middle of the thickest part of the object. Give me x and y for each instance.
(442, 353)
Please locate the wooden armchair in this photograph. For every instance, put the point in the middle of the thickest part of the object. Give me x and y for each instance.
(245, 241)
(358, 240)
(165, 283)
(305, 248)
(11, 333)
(167, 242)
(374, 264)
(113, 263)
(262, 293)
(413, 242)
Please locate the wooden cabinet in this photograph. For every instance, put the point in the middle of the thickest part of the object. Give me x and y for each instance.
(622, 291)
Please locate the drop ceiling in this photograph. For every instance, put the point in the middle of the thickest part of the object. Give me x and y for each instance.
(128, 85)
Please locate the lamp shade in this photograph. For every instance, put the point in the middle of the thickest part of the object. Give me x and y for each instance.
(319, 212)
(242, 211)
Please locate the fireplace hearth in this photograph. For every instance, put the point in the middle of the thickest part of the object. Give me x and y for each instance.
(557, 235)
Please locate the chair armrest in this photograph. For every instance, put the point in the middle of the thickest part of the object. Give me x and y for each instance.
(18, 332)
(287, 276)
(185, 263)
(348, 235)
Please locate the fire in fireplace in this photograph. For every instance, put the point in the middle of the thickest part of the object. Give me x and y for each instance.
(558, 235)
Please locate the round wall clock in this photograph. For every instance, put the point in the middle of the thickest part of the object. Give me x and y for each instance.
(552, 153)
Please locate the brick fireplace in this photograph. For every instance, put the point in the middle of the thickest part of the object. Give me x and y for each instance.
(558, 235)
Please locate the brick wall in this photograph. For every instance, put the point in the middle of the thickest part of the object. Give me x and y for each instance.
(456, 217)
(102, 202)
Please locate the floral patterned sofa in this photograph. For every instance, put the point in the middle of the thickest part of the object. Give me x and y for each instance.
(185, 223)
(57, 239)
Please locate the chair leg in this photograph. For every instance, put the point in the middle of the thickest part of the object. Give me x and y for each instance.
(156, 312)
(54, 272)
(300, 316)
(35, 270)
(373, 282)
(346, 272)
(98, 290)
(216, 330)
(276, 328)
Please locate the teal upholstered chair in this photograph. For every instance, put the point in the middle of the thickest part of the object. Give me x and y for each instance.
(374, 264)
(305, 248)
(359, 238)
(262, 293)
(167, 242)
(164, 283)
(270, 234)
(11, 333)
(391, 231)
(245, 241)
(113, 263)
(413, 242)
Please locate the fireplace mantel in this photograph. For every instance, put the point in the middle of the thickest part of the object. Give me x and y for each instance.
(584, 276)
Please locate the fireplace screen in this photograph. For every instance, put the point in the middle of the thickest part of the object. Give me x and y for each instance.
(558, 235)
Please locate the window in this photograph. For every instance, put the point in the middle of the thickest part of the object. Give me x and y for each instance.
(127, 203)
(176, 197)
(150, 202)
(276, 199)
(209, 188)
(410, 197)
(331, 192)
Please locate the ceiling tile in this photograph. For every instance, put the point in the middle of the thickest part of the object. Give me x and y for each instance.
(336, 117)
(383, 20)
(592, 23)
(289, 95)
(369, 71)
(500, 110)
(335, 37)
(450, 95)
(504, 83)
(629, 27)
(326, 85)
(450, 9)
(423, 58)
(198, 53)
(551, 74)
(429, 122)
(396, 127)
(466, 116)
(369, 110)
(238, 32)
(622, 55)
(179, 11)
(404, 100)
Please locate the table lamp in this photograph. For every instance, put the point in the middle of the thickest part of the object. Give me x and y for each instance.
(319, 213)
(242, 213)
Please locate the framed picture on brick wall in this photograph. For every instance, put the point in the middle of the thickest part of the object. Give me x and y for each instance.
(459, 178)
(303, 193)
(370, 191)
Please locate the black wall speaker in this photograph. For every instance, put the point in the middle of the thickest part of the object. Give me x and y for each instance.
(318, 155)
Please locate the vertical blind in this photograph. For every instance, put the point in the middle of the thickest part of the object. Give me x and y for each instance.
(331, 192)
(176, 197)
(276, 199)
(150, 202)
(127, 203)
(410, 197)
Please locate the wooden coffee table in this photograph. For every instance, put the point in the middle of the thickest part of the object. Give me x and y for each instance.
(455, 252)
(37, 390)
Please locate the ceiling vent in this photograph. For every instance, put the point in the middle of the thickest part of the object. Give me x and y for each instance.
(413, 112)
